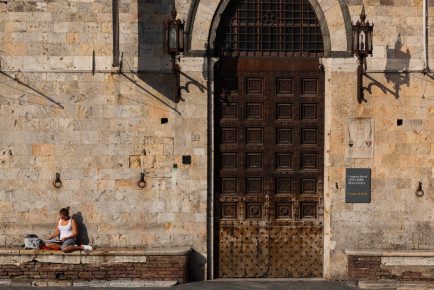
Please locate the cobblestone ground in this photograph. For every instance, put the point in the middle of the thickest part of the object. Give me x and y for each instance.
(220, 284)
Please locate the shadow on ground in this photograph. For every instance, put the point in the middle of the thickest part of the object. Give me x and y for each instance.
(228, 284)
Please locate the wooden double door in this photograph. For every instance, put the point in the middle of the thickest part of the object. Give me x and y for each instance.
(269, 141)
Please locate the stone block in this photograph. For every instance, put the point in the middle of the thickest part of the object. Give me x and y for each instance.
(123, 184)
(43, 149)
(72, 37)
(135, 161)
(16, 49)
(105, 184)
(82, 62)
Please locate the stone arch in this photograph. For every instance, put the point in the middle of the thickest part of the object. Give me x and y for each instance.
(333, 16)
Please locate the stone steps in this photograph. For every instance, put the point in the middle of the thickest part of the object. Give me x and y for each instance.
(393, 284)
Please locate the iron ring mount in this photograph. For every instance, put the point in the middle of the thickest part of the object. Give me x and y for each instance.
(419, 191)
(142, 183)
(57, 183)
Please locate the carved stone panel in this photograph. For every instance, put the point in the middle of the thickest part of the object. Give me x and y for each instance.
(360, 138)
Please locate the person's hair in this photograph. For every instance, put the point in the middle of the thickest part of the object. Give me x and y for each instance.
(64, 211)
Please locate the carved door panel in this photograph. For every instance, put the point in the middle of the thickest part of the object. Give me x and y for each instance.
(269, 168)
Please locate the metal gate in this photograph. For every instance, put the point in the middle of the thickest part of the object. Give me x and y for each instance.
(269, 167)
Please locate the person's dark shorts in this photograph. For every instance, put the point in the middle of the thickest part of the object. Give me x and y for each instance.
(67, 243)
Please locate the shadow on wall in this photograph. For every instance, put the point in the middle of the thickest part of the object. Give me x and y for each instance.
(197, 266)
(151, 60)
(23, 81)
(83, 236)
(398, 60)
(153, 65)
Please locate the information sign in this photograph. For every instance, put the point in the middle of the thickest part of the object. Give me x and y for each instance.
(358, 185)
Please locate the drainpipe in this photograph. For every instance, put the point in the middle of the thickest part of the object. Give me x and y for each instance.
(115, 9)
(425, 35)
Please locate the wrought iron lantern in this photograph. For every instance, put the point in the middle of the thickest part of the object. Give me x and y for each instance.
(361, 47)
(173, 44)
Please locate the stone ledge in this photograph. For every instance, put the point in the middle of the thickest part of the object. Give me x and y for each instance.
(87, 284)
(384, 266)
(98, 256)
(393, 284)
(389, 253)
(104, 264)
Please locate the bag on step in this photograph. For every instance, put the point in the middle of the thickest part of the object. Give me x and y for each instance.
(31, 242)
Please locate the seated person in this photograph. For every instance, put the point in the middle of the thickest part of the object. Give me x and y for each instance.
(67, 230)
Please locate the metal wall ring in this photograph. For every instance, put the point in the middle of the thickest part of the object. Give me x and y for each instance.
(419, 192)
(57, 184)
(141, 184)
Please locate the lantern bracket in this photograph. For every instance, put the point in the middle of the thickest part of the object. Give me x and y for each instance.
(361, 47)
(173, 44)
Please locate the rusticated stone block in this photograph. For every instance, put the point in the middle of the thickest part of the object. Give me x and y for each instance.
(43, 149)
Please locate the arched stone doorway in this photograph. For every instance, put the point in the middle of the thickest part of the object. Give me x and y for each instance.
(269, 140)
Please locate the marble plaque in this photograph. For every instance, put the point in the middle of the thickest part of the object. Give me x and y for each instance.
(359, 138)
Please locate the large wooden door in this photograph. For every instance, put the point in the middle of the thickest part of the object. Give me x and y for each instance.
(269, 167)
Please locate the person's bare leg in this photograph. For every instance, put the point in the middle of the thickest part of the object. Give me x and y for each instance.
(70, 249)
(53, 246)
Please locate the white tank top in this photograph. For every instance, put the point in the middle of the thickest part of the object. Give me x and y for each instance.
(65, 231)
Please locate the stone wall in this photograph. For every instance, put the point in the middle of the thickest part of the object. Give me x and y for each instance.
(99, 130)
(403, 154)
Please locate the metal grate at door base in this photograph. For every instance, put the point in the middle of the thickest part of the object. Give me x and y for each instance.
(270, 28)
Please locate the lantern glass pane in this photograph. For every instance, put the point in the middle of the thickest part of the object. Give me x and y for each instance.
(181, 38)
(166, 40)
(369, 40)
(172, 38)
(355, 40)
(362, 40)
